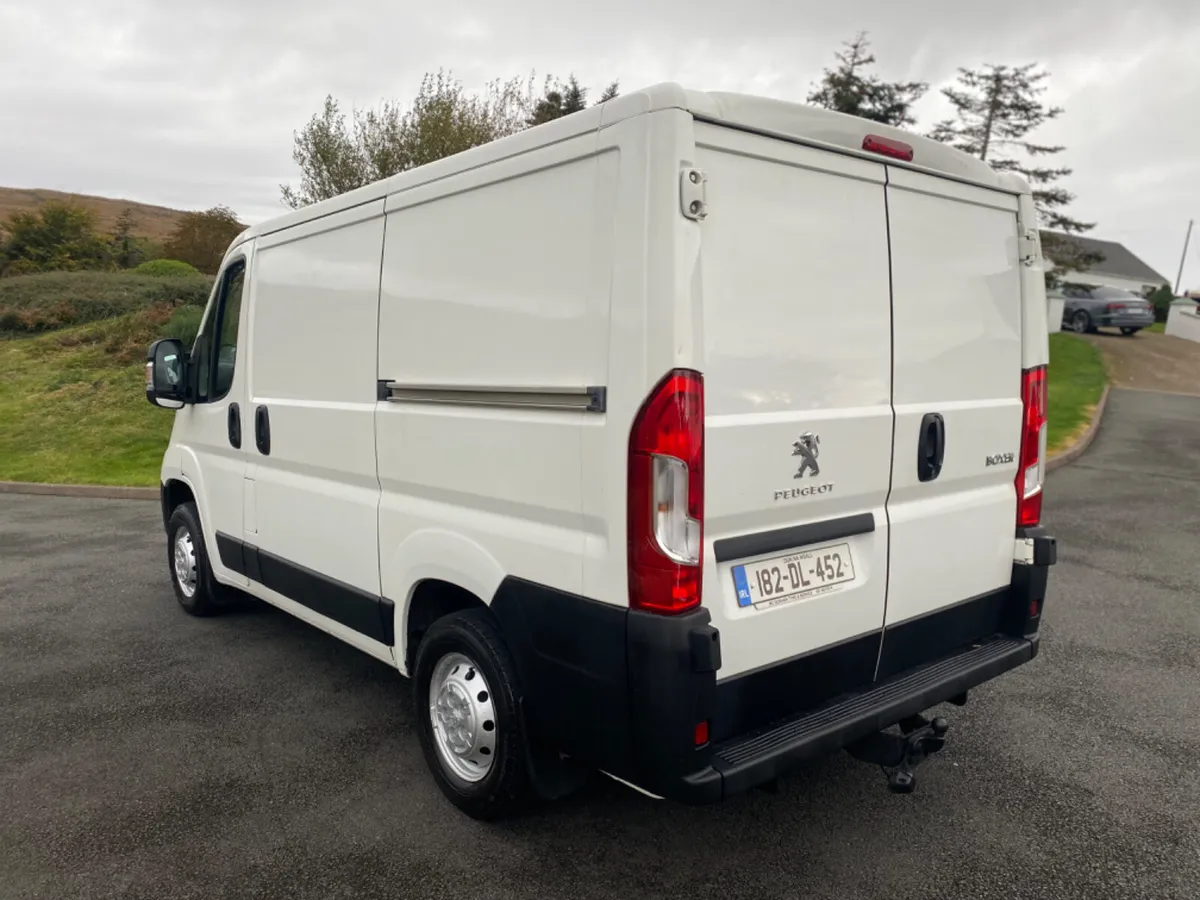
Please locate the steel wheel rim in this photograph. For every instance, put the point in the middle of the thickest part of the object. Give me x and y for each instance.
(1081, 322)
(185, 562)
(463, 717)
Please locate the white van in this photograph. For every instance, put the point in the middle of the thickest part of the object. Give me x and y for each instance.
(683, 438)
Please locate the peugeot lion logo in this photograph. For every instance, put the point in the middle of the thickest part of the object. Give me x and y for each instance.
(806, 447)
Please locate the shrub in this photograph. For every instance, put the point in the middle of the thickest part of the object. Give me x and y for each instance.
(166, 268)
(1161, 301)
(43, 302)
(184, 324)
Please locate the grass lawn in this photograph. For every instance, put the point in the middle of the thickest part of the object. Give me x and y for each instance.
(1077, 380)
(1157, 328)
(72, 407)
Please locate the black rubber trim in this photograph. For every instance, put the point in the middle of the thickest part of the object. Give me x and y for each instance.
(230, 551)
(571, 659)
(744, 762)
(387, 613)
(620, 689)
(752, 699)
(345, 604)
(748, 545)
(916, 641)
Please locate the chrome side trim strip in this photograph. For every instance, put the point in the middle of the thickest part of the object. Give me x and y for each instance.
(585, 399)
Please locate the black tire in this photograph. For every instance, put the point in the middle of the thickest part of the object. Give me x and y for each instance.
(505, 790)
(1130, 332)
(1081, 322)
(207, 597)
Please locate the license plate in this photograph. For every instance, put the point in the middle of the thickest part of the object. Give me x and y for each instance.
(796, 576)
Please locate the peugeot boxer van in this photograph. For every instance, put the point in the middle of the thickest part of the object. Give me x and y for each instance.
(683, 439)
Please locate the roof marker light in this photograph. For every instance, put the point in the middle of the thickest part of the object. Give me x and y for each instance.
(873, 143)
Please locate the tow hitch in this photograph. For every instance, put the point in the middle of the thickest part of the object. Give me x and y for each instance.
(899, 754)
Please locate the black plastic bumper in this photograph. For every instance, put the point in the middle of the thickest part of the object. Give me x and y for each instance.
(743, 762)
(632, 693)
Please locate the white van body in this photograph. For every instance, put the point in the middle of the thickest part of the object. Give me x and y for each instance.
(442, 372)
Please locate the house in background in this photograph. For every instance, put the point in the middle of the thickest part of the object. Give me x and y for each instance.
(1119, 268)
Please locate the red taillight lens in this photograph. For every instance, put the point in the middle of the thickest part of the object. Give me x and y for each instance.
(873, 143)
(701, 733)
(666, 496)
(1114, 307)
(1032, 472)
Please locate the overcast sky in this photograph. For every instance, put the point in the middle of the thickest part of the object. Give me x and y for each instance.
(190, 104)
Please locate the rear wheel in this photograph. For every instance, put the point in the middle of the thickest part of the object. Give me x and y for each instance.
(1129, 332)
(466, 695)
(1081, 322)
(191, 575)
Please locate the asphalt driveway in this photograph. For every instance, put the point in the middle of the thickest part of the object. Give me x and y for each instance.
(144, 753)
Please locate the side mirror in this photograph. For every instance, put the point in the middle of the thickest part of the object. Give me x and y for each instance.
(166, 374)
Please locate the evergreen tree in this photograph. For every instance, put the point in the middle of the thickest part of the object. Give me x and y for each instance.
(125, 248)
(996, 108)
(561, 99)
(849, 88)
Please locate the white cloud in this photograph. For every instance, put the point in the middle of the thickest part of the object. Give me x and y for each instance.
(192, 104)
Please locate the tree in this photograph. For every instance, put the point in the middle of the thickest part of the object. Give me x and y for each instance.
(124, 247)
(336, 155)
(58, 235)
(849, 88)
(996, 108)
(201, 238)
(561, 99)
(337, 152)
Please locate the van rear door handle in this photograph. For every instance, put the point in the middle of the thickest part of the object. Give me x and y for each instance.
(931, 447)
(235, 426)
(262, 430)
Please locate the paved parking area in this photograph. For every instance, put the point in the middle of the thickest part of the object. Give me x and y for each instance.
(1150, 362)
(147, 754)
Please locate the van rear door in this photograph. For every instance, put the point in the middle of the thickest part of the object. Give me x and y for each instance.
(956, 318)
(798, 427)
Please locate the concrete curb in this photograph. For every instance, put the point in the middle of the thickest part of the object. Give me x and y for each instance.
(106, 492)
(1077, 449)
(95, 491)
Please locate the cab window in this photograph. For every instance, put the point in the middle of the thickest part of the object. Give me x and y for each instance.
(215, 352)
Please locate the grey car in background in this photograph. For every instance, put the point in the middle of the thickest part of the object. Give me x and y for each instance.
(1088, 308)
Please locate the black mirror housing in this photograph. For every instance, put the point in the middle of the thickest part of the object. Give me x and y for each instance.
(166, 374)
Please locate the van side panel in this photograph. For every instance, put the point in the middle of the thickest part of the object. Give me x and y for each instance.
(313, 369)
(956, 283)
(649, 285)
(488, 285)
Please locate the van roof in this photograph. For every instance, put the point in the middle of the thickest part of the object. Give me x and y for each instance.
(809, 125)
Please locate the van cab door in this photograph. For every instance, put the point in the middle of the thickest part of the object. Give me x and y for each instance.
(210, 431)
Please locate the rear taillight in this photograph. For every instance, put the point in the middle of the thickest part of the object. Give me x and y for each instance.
(1032, 472)
(666, 496)
(1115, 307)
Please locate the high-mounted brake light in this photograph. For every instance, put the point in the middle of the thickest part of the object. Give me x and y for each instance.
(666, 496)
(1031, 474)
(873, 143)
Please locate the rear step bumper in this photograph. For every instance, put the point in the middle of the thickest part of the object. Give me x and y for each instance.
(748, 760)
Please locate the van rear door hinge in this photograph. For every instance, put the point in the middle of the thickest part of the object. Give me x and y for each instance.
(693, 194)
(1028, 247)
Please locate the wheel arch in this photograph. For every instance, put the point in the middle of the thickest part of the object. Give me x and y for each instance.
(432, 573)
